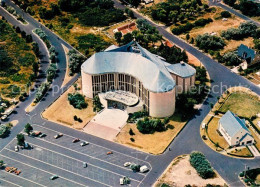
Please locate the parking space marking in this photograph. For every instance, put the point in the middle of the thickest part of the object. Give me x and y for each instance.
(22, 177)
(93, 156)
(56, 167)
(37, 169)
(89, 156)
(80, 161)
(99, 146)
(9, 182)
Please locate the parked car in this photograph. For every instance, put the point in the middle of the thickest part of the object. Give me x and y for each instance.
(53, 177)
(144, 169)
(109, 152)
(84, 143)
(85, 164)
(16, 148)
(124, 180)
(58, 135)
(127, 164)
(42, 135)
(36, 133)
(75, 140)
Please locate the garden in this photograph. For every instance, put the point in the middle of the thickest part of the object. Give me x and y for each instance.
(251, 177)
(234, 100)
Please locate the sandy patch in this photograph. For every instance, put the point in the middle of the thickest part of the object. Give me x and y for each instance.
(181, 173)
(62, 112)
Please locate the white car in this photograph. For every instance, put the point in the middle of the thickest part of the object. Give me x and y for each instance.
(144, 169)
(127, 164)
(84, 143)
(16, 149)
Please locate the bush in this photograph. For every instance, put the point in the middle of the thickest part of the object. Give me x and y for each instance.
(75, 62)
(131, 132)
(135, 168)
(231, 59)
(4, 130)
(225, 14)
(202, 165)
(207, 42)
(75, 118)
(148, 126)
(97, 106)
(41, 91)
(77, 101)
(132, 139)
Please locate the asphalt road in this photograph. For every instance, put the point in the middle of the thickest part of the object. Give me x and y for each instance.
(187, 141)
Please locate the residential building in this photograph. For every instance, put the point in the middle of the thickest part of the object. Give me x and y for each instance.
(248, 54)
(234, 130)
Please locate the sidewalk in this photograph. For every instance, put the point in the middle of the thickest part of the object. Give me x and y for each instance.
(254, 150)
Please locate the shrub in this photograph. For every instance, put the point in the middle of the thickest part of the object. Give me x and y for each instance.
(132, 139)
(135, 168)
(77, 101)
(225, 14)
(41, 91)
(131, 132)
(4, 130)
(202, 165)
(75, 118)
(231, 59)
(207, 42)
(148, 126)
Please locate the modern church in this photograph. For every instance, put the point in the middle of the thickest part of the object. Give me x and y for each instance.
(133, 79)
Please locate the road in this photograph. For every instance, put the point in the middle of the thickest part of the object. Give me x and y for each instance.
(188, 140)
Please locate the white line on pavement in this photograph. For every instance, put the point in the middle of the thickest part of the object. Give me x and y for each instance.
(88, 155)
(58, 167)
(81, 161)
(39, 169)
(9, 182)
(97, 145)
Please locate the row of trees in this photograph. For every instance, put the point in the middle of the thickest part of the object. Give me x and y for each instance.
(41, 91)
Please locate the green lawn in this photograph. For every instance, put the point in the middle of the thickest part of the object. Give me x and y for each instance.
(242, 104)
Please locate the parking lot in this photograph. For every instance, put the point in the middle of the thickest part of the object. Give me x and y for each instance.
(61, 157)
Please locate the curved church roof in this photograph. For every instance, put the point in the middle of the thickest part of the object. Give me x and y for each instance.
(135, 61)
(182, 69)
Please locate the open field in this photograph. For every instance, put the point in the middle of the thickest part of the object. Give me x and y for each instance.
(152, 143)
(17, 59)
(181, 173)
(62, 112)
(242, 104)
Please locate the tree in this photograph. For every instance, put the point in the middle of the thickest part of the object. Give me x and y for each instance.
(187, 36)
(127, 38)
(207, 42)
(20, 139)
(28, 128)
(5, 60)
(231, 59)
(75, 61)
(118, 37)
(225, 14)
(1, 163)
(51, 72)
(135, 168)
(77, 101)
(135, 3)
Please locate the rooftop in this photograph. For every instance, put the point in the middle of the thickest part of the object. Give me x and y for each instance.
(124, 97)
(134, 60)
(232, 123)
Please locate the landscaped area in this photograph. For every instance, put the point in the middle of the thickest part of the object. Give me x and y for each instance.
(251, 176)
(181, 173)
(62, 112)
(154, 143)
(242, 102)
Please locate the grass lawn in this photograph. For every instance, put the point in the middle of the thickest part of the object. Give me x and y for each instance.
(242, 104)
(214, 135)
(62, 112)
(242, 152)
(152, 143)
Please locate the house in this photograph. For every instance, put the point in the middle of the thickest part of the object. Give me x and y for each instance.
(128, 28)
(248, 54)
(234, 130)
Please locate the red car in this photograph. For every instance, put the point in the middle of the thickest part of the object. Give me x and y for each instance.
(75, 140)
(109, 152)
